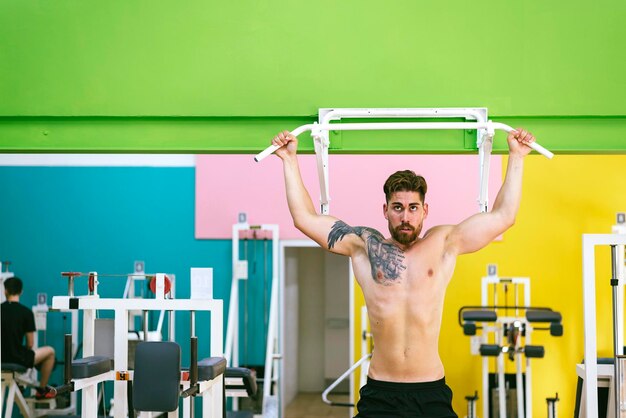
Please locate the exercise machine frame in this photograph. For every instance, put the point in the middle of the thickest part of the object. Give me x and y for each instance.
(590, 368)
(272, 372)
(90, 304)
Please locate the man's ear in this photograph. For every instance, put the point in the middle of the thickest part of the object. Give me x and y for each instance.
(425, 210)
(385, 211)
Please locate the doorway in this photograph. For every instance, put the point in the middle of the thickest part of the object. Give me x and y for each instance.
(316, 335)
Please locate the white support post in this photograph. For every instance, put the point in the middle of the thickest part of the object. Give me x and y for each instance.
(273, 356)
(485, 145)
(120, 355)
(160, 287)
(89, 395)
(520, 385)
(211, 394)
(484, 301)
(321, 142)
(590, 241)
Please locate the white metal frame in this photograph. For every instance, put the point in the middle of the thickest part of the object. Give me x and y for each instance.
(523, 405)
(273, 373)
(590, 241)
(130, 293)
(485, 131)
(121, 307)
(14, 397)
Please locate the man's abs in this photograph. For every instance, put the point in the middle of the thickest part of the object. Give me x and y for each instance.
(406, 355)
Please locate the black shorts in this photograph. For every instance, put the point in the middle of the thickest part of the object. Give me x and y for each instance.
(391, 399)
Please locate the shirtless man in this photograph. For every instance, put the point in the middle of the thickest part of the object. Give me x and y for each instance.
(404, 277)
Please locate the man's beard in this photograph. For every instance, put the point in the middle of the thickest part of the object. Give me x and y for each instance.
(402, 237)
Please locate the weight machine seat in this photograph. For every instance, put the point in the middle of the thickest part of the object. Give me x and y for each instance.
(480, 316)
(13, 368)
(248, 381)
(540, 315)
(91, 366)
(210, 368)
(157, 376)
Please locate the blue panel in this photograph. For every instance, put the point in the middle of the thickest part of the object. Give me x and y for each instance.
(55, 219)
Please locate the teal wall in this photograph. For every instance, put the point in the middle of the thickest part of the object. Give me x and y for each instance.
(55, 219)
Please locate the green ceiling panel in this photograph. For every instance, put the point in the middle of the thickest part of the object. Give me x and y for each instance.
(198, 76)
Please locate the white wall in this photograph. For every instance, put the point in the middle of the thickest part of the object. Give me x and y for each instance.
(316, 319)
(290, 359)
(337, 318)
(311, 320)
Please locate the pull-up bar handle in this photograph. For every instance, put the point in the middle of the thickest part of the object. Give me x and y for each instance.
(400, 126)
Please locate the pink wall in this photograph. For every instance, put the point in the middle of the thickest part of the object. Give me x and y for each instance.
(229, 184)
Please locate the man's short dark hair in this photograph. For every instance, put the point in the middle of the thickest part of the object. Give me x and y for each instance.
(13, 286)
(405, 181)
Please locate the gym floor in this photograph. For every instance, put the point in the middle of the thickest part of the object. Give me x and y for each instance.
(310, 405)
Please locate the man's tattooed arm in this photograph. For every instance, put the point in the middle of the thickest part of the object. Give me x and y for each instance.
(340, 229)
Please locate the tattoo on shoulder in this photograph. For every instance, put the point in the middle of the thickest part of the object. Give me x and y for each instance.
(340, 229)
(387, 260)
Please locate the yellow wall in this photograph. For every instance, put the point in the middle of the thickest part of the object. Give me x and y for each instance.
(562, 199)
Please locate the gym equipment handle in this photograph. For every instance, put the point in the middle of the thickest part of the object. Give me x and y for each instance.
(400, 126)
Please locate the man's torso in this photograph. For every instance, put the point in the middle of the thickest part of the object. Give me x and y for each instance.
(404, 292)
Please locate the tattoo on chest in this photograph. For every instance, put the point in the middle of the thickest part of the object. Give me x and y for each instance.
(387, 260)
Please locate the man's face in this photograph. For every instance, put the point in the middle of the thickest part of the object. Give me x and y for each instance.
(405, 213)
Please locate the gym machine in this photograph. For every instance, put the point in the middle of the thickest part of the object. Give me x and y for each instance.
(506, 331)
(204, 379)
(240, 382)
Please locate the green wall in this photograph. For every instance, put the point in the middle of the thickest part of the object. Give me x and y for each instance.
(204, 76)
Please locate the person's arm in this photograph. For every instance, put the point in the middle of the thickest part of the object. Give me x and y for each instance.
(479, 230)
(30, 340)
(329, 232)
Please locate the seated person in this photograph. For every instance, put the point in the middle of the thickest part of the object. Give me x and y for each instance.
(18, 322)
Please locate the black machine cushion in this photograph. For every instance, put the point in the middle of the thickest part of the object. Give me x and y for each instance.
(210, 368)
(91, 366)
(249, 381)
(540, 315)
(13, 367)
(480, 316)
(157, 376)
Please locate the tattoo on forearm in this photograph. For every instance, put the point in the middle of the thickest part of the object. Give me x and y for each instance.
(387, 260)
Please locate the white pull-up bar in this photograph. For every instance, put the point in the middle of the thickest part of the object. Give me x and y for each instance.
(490, 126)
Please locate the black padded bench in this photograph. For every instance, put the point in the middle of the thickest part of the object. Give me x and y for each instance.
(480, 316)
(540, 315)
(91, 366)
(244, 379)
(13, 368)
